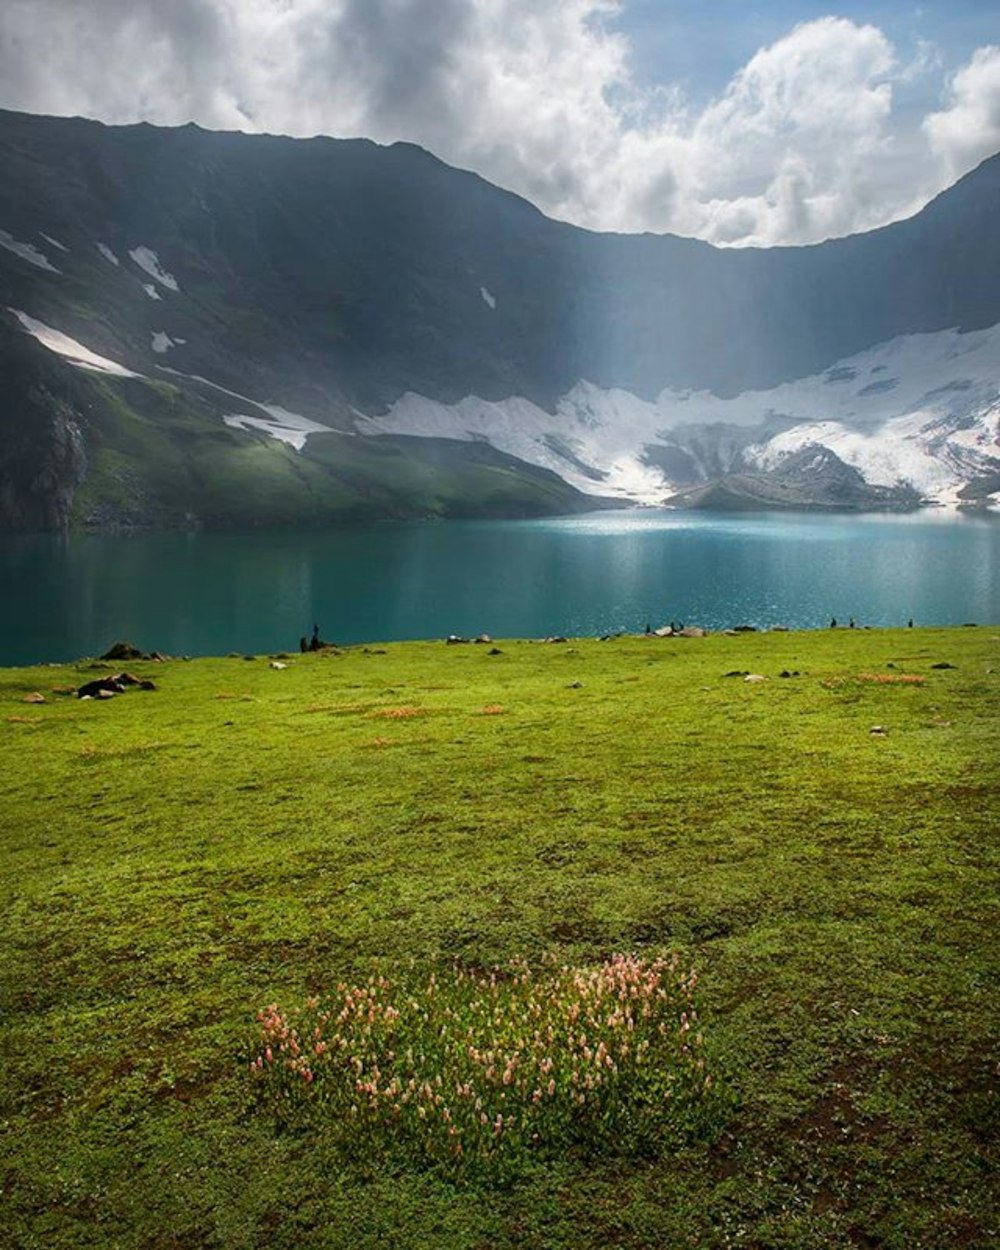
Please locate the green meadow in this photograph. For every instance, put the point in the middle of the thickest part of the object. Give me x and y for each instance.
(821, 848)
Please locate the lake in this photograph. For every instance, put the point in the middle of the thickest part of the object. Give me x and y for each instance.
(201, 594)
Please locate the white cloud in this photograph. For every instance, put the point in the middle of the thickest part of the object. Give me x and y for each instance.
(537, 95)
(968, 129)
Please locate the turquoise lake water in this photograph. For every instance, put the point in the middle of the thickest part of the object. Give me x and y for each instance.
(204, 594)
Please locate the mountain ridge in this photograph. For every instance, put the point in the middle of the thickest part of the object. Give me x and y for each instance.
(320, 282)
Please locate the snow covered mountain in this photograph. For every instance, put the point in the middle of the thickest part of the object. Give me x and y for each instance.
(918, 414)
(222, 329)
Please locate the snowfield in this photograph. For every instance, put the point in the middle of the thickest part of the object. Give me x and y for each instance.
(922, 409)
(73, 351)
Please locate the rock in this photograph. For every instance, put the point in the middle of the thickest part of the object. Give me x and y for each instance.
(158, 656)
(122, 651)
(744, 629)
(147, 685)
(249, 657)
(779, 629)
(878, 731)
(556, 638)
(35, 697)
(665, 631)
(483, 638)
(106, 694)
(575, 685)
(126, 679)
(737, 672)
(755, 677)
(277, 664)
(729, 633)
(99, 688)
(693, 631)
(943, 664)
(494, 651)
(453, 640)
(890, 664)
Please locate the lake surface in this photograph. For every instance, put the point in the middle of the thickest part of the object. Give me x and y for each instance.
(205, 594)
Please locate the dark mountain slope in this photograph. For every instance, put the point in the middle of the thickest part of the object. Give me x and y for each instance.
(330, 277)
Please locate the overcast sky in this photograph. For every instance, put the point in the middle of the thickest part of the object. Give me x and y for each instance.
(733, 120)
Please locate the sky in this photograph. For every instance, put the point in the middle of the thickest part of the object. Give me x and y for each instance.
(738, 122)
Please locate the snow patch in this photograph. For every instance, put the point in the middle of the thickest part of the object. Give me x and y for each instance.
(280, 423)
(73, 351)
(488, 297)
(287, 427)
(151, 290)
(108, 254)
(149, 262)
(27, 251)
(55, 242)
(162, 342)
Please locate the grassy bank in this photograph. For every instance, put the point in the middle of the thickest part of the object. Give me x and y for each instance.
(173, 860)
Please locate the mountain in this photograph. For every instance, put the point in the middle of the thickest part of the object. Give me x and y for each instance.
(222, 329)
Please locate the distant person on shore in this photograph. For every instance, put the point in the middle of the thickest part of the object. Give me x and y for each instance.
(314, 643)
(833, 622)
(909, 623)
(303, 645)
(850, 623)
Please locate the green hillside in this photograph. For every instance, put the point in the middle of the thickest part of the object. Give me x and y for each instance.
(820, 847)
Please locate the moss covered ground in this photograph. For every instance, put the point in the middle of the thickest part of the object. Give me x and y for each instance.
(173, 860)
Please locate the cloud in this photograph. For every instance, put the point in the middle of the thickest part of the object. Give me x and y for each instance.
(968, 130)
(536, 95)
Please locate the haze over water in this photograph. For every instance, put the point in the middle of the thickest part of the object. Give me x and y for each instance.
(210, 594)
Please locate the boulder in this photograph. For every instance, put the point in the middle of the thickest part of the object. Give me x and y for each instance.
(36, 696)
(755, 677)
(122, 651)
(94, 689)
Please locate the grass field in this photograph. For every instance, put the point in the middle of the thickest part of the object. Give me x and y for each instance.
(174, 860)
